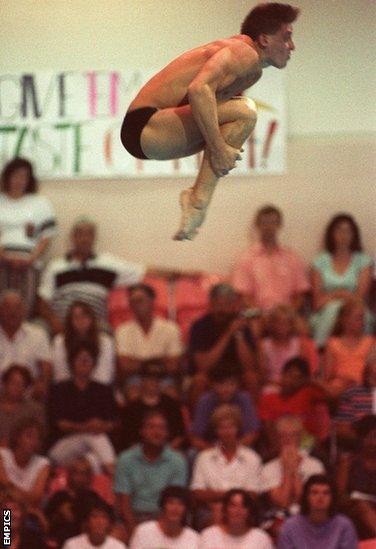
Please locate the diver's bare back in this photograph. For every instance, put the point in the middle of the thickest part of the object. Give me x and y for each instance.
(169, 87)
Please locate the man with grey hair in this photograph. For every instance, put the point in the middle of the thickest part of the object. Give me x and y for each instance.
(85, 275)
(22, 342)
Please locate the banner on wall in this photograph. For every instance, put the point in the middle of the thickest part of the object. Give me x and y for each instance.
(68, 124)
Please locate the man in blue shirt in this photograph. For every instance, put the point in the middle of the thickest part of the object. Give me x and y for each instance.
(144, 470)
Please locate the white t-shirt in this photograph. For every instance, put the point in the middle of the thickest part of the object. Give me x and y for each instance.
(212, 471)
(29, 346)
(24, 220)
(215, 537)
(271, 476)
(22, 477)
(105, 369)
(83, 542)
(148, 535)
(163, 339)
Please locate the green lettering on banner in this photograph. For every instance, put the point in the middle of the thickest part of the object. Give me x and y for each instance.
(21, 136)
(76, 143)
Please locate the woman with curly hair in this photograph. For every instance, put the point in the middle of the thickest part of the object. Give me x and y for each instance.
(81, 326)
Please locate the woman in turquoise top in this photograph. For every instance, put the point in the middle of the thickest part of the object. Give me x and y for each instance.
(341, 271)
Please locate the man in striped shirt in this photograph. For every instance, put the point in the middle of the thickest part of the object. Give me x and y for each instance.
(83, 275)
(87, 276)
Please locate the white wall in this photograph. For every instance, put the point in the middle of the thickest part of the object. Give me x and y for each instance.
(330, 94)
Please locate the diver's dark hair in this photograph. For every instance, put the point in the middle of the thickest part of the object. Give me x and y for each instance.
(267, 19)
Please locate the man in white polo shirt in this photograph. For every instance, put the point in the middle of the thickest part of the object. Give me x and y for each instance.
(227, 465)
(147, 337)
(23, 343)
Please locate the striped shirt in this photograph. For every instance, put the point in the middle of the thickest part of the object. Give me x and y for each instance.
(355, 403)
(66, 280)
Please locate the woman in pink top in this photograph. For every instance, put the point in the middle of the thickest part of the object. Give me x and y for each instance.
(282, 343)
(347, 349)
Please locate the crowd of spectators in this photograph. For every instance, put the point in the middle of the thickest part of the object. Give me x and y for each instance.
(259, 431)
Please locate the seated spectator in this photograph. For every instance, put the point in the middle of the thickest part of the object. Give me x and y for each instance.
(66, 509)
(151, 398)
(222, 334)
(238, 526)
(25, 531)
(142, 472)
(346, 351)
(228, 465)
(319, 524)
(282, 343)
(22, 471)
(81, 325)
(282, 478)
(269, 274)
(299, 396)
(356, 478)
(357, 402)
(147, 337)
(98, 524)
(84, 275)
(340, 272)
(14, 402)
(82, 414)
(27, 225)
(23, 343)
(170, 529)
(224, 383)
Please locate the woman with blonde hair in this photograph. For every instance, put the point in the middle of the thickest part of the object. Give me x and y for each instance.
(283, 342)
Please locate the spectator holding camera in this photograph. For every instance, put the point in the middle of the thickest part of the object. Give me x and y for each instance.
(222, 334)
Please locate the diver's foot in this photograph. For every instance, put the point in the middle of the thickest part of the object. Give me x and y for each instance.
(192, 217)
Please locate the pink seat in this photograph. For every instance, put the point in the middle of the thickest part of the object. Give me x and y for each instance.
(367, 544)
(184, 300)
(191, 299)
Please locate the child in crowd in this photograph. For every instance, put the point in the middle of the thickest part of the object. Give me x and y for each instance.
(238, 526)
(225, 389)
(97, 528)
(170, 529)
(282, 342)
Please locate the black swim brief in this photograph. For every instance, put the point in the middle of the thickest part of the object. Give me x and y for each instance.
(133, 124)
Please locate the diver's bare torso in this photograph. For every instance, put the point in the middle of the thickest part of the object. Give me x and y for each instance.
(169, 87)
